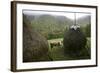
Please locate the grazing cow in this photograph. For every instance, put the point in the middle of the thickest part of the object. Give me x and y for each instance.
(55, 44)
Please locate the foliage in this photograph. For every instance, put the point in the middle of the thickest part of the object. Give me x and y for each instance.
(74, 41)
(88, 30)
(49, 26)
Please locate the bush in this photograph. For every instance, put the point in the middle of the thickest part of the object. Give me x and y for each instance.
(74, 41)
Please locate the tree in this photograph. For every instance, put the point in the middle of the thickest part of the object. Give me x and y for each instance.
(74, 41)
(88, 30)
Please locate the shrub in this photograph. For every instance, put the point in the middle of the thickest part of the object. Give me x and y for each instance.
(74, 41)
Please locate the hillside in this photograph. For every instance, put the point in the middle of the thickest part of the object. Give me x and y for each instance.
(49, 25)
(53, 26)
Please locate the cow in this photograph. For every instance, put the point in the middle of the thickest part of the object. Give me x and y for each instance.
(54, 44)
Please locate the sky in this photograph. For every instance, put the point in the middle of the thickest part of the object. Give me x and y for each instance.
(70, 15)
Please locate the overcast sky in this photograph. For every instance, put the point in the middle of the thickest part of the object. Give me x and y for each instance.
(70, 15)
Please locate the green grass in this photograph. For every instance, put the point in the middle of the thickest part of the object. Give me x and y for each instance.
(57, 52)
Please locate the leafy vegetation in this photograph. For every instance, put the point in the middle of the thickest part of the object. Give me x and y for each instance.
(74, 41)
